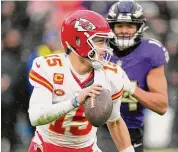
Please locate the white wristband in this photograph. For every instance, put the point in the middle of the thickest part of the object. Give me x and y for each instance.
(129, 149)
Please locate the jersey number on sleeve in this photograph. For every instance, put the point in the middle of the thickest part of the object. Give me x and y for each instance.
(112, 67)
(166, 54)
(130, 100)
(77, 125)
(53, 60)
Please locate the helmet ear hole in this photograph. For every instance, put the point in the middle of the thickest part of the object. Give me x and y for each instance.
(77, 39)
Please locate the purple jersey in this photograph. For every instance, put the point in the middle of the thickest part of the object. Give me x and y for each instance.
(148, 55)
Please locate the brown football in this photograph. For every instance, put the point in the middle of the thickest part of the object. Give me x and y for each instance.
(98, 111)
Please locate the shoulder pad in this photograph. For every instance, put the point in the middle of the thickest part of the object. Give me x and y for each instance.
(43, 68)
(156, 53)
(115, 75)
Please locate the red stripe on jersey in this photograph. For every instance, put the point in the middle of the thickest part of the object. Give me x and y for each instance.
(41, 80)
(117, 95)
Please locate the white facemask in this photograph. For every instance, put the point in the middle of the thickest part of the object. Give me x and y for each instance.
(95, 60)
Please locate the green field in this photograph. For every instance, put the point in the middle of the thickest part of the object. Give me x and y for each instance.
(161, 150)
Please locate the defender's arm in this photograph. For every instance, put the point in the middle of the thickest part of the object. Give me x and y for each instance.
(156, 99)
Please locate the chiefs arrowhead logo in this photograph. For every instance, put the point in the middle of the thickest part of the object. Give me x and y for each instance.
(84, 25)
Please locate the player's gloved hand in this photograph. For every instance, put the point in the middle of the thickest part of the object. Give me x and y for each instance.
(128, 85)
(91, 91)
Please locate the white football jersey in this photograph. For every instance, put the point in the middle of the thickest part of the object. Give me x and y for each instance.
(53, 73)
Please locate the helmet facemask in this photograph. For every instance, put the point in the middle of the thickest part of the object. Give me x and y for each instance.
(99, 56)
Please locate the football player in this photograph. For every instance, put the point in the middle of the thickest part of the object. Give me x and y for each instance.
(63, 82)
(143, 61)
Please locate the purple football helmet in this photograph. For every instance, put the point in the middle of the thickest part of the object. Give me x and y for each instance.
(127, 12)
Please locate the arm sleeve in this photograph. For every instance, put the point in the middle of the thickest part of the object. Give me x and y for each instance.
(41, 109)
(117, 84)
(38, 76)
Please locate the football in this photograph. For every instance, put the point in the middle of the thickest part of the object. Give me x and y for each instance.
(98, 110)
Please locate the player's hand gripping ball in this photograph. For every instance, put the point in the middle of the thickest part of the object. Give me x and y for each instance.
(98, 110)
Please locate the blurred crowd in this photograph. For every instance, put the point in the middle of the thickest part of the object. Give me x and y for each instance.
(30, 29)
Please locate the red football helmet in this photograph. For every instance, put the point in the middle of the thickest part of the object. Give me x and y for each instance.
(79, 29)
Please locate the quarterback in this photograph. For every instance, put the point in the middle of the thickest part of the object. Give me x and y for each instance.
(62, 82)
(143, 60)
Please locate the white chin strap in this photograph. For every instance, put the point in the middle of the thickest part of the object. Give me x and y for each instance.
(96, 63)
